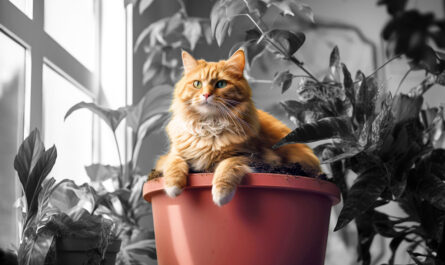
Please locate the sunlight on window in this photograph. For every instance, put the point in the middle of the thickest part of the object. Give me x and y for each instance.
(24, 5)
(12, 82)
(112, 74)
(73, 137)
(72, 24)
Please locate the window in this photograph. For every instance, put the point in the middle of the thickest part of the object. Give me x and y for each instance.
(53, 54)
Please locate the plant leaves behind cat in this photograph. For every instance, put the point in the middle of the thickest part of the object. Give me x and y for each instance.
(224, 11)
(29, 153)
(366, 97)
(192, 31)
(156, 101)
(253, 48)
(406, 107)
(348, 84)
(363, 193)
(290, 42)
(293, 8)
(334, 66)
(283, 80)
(326, 128)
(99, 172)
(111, 117)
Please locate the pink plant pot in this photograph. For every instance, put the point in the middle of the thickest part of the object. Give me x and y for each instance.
(273, 219)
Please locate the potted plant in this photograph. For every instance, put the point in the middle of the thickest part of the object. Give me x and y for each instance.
(58, 228)
(392, 147)
(122, 201)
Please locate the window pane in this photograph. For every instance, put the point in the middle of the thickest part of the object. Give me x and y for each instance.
(12, 84)
(112, 75)
(24, 5)
(72, 24)
(73, 137)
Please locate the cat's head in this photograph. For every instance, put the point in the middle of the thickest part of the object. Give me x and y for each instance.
(213, 88)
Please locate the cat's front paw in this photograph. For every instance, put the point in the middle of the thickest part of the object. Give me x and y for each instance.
(222, 196)
(172, 191)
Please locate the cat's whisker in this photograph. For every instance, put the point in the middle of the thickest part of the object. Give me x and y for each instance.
(238, 121)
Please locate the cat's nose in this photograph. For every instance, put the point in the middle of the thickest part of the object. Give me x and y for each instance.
(207, 95)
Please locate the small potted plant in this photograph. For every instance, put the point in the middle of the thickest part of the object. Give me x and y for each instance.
(58, 228)
(122, 201)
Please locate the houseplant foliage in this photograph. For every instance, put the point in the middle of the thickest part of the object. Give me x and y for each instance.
(393, 145)
(390, 142)
(54, 210)
(122, 201)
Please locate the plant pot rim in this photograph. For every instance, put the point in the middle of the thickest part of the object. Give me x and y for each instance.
(254, 181)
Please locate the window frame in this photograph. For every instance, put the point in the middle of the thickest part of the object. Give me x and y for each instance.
(41, 48)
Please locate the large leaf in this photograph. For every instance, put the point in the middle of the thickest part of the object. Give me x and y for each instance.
(111, 117)
(289, 41)
(156, 101)
(192, 31)
(363, 193)
(224, 11)
(334, 66)
(432, 189)
(99, 172)
(29, 153)
(326, 128)
(365, 97)
(348, 84)
(406, 107)
(38, 174)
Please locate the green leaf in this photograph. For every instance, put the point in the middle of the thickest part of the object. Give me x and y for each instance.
(326, 128)
(157, 100)
(293, 8)
(348, 84)
(406, 107)
(143, 5)
(29, 153)
(253, 48)
(334, 65)
(365, 98)
(111, 117)
(289, 41)
(192, 31)
(363, 193)
(38, 174)
(224, 11)
(283, 80)
(382, 124)
(99, 172)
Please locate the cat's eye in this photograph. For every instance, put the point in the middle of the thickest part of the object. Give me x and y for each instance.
(197, 84)
(221, 84)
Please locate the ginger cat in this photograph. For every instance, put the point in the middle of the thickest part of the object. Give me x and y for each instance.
(216, 127)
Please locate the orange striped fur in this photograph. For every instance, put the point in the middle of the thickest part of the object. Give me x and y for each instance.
(220, 130)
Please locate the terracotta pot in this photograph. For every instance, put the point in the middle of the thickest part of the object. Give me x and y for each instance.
(273, 219)
(76, 251)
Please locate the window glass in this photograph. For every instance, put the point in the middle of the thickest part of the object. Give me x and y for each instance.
(112, 74)
(24, 5)
(73, 137)
(12, 85)
(71, 24)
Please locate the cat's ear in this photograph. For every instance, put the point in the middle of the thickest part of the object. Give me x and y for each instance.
(237, 61)
(188, 61)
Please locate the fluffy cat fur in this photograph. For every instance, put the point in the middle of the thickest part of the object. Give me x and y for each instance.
(215, 127)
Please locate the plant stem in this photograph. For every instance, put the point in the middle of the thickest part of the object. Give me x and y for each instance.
(292, 58)
(383, 65)
(120, 161)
